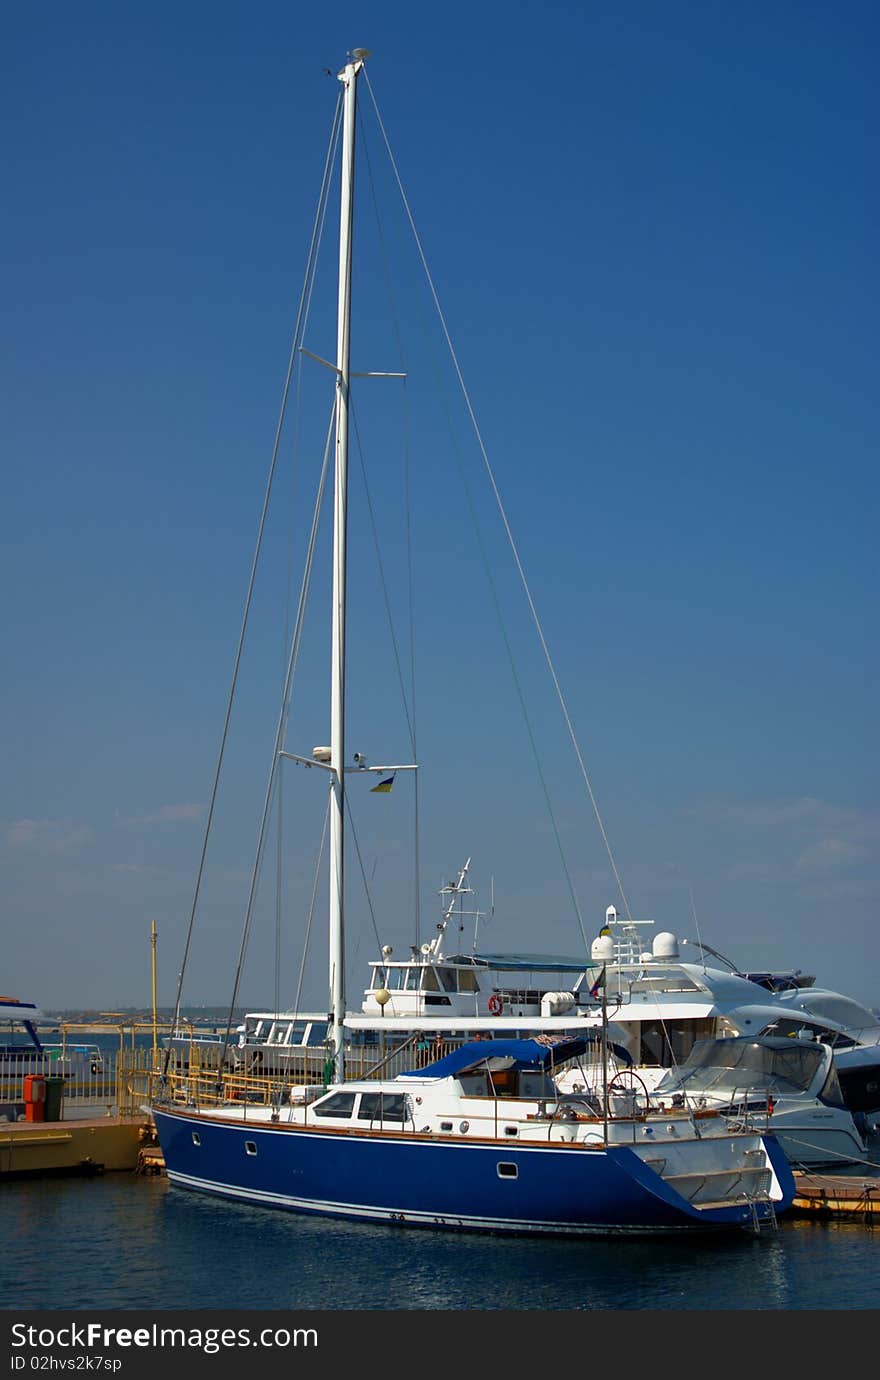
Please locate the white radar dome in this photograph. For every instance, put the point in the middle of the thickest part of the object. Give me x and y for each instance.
(602, 949)
(665, 945)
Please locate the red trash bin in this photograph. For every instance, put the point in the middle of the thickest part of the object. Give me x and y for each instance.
(34, 1097)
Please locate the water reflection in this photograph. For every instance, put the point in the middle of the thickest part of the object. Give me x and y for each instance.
(127, 1242)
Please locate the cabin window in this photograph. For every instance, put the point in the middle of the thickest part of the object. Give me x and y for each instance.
(383, 1107)
(250, 1147)
(429, 980)
(467, 981)
(474, 1084)
(501, 1082)
(317, 1034)
(665, 1044)
(832, 1093)
(395, 978)
(337, 1104)
(447, 978)
(413, 978)
(656, 979)
(197, 1140)
(445, 1125)
(511, 1130)
(860, 1088)
(507, 1171)
(535, 1085)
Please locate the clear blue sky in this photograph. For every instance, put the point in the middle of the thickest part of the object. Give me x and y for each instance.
(653, 230)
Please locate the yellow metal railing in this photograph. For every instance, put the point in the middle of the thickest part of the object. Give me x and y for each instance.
(126, 1076)
(191, 1080)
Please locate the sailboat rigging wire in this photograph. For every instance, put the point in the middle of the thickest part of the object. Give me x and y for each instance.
(286, 708)
(528, 593)
(302, 966)
(384, 583)
(357, 849)
(697, 925)
(300, 317)
(279, 732)
(389, 285)
(496, 602)
(279, 851)
(545, 790)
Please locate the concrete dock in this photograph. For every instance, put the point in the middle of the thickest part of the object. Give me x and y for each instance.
(84, 1144)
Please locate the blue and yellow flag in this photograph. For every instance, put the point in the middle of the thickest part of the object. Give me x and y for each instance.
(383, 787)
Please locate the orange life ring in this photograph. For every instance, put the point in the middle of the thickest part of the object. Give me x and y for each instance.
(496, 1005)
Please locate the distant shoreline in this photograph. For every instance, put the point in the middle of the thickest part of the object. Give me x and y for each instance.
(95, 1022)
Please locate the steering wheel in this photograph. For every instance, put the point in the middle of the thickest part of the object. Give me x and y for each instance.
(628, 1081)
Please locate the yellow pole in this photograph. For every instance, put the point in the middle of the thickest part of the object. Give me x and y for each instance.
(155, 1032)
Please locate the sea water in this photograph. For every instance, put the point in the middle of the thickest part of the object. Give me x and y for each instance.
(124, 1241)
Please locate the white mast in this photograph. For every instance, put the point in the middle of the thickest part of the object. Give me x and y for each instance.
(348, 77)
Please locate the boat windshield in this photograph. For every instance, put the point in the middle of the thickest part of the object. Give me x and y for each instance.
(625, 980)
(842, 1010)
(741, 1064)
(800, 1028)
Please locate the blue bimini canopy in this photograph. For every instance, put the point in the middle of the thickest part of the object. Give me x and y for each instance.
(542, 1053)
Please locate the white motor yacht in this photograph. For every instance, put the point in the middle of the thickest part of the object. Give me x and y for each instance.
(775, 1083)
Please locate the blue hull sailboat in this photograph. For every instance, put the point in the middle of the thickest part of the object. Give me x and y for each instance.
(483, 1139)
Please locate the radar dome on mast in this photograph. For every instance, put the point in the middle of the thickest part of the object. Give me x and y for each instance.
(602, 949)
(665, 945)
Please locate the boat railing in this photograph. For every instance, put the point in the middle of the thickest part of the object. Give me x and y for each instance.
(113, 1073)
(141, 1075)
(749, 1107)
(141, 1068)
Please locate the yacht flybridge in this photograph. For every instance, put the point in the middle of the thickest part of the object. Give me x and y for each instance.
(661, 1005)
(658, 1002)
(472, 990)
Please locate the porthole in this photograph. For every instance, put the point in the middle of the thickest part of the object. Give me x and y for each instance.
(464, 1126)
(511, 1130)
(250, 1147)
(197, 1140)
(445, 1125)
(507, 1171)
